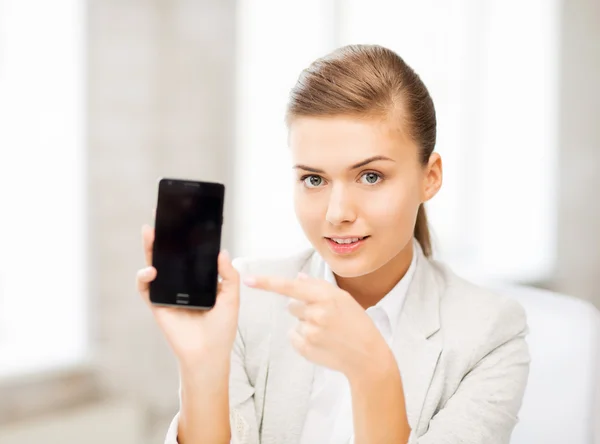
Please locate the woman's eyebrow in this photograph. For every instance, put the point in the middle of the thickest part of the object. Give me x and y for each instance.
(369, 160)
(353, 167)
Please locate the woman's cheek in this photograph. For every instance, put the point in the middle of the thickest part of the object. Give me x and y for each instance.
(387, 207)
(308, 213)
(301, 204)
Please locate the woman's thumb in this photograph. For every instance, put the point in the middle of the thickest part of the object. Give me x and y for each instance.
(227, 271)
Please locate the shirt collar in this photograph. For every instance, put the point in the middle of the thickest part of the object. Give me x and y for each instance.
(392, 302)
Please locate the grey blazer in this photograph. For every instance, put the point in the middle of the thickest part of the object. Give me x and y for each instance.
(460, 348)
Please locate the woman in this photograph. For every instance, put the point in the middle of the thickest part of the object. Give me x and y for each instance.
(364, 338)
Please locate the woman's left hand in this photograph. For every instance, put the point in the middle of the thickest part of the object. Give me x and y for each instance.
(334, 330)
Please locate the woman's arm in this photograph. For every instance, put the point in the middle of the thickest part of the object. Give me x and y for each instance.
(335, 332)
(378, 402)
(204, 414)
(199, 390)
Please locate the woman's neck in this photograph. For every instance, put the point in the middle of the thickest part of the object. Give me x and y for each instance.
(369, 289)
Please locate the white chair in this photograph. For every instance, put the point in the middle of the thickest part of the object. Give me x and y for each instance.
(562, 401)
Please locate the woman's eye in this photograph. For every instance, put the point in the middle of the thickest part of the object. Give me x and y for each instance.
(371, 178)
(312, 181)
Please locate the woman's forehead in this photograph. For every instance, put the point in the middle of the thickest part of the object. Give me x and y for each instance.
(343, 138)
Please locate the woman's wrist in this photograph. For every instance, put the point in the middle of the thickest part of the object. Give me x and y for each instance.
(380, 365)
(207, 369)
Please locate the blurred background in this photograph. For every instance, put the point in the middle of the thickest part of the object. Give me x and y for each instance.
(100, 98)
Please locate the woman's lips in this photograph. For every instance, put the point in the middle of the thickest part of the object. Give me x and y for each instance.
(344, 249)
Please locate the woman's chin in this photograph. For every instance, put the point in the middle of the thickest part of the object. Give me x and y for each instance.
(348, 266)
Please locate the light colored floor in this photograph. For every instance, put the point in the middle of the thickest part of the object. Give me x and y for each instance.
(115, 423)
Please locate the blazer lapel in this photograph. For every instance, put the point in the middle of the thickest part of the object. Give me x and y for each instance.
(289, 380)
(416, 355)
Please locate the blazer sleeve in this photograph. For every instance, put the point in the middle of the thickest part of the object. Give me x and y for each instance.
(242, 414)
(484, 408)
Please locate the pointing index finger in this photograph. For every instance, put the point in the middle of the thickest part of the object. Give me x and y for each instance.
(294, 288)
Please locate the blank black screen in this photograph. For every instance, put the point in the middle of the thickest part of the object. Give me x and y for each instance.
(187, 243)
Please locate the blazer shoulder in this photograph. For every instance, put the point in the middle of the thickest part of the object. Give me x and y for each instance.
(477, 317)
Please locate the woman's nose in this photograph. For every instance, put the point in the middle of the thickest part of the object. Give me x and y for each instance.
(340, 208)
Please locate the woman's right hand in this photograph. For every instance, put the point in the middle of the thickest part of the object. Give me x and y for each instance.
(196, 336)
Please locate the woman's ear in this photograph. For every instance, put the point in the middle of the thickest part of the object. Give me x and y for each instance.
(432, 177)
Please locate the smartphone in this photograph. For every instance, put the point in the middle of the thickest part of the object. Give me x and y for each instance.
(187, 241)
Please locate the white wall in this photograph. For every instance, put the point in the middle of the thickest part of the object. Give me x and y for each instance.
(579, 200)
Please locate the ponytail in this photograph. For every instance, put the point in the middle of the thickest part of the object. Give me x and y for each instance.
(422, 231)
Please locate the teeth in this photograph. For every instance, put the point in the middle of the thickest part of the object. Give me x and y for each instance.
(346, 241)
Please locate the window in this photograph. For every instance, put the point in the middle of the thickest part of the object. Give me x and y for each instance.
(491, 67)
(42, 186)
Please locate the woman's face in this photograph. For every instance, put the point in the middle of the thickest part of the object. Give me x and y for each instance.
(357, 178)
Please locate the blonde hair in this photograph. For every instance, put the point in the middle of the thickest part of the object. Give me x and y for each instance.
(371, 81)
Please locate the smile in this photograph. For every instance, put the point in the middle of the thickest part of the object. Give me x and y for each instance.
(347, 240)
(345, 245)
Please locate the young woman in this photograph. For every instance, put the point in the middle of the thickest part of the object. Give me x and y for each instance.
(364, 338)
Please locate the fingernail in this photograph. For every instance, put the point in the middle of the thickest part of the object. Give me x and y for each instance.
(225, 254)
(147, 272)
(302, 276)
(250, 281)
